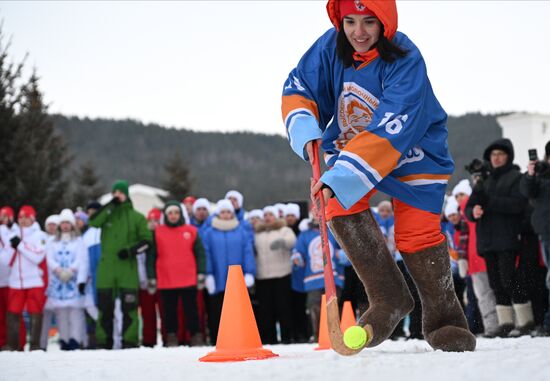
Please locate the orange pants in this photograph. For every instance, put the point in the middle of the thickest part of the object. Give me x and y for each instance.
(415, 229)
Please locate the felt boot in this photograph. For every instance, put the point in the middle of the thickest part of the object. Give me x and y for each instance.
(13, 322)
(525, 322)
(36, 331)
(443, 322)
(196, 340)
(389, 297)
(171, 340)
(505, 317)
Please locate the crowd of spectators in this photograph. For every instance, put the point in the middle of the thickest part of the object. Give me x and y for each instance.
(109, 277)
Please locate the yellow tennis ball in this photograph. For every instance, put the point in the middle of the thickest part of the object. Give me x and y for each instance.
(355, 337)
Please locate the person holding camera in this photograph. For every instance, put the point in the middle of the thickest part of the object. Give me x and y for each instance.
(497, 207)
(535, 184)
(124, 235)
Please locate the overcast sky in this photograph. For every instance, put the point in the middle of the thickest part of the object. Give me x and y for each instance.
(221, 65)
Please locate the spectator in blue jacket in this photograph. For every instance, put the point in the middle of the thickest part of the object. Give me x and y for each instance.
(308, 254)
(226, 243)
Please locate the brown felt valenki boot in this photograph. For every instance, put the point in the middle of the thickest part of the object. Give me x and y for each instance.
(13, 324)
(389, 297)
(443, 322)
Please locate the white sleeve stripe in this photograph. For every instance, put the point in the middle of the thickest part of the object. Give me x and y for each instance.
(294, 112)
(425, 182)
(357, 172)
(363, 163)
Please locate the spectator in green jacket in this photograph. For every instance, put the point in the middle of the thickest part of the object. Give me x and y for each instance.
(124, 234)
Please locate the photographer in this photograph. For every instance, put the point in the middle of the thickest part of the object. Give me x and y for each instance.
(497, 207)
(535, 184)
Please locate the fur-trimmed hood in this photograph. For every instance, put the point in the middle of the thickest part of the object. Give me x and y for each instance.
(263, 227)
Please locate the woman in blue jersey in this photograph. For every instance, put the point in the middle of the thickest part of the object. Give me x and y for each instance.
(363, 92)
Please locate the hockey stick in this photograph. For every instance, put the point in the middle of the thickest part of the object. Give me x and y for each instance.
(333, 312)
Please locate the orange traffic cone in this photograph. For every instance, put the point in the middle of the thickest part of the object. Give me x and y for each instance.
(238, 336)
(348, 317)
(324, 340)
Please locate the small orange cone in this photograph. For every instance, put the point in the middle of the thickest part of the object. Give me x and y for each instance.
(324, 340)
(238, 336)
(348, 317)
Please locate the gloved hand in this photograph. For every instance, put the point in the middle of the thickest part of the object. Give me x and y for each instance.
(151, 286)
(82, 288)
(249, 280)
(200, 281)
(124, 254)
(277, 244)
(115, 201)
(297, 259)
(210, 284)
(463, 268)
(139, 248)
(15, 241)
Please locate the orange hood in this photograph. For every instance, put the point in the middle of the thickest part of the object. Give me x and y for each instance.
(385, 11)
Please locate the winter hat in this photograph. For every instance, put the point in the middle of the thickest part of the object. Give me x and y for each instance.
(271, 209)
(224, 205)
(67, 215)
(451, 207)
(95, 205)
(385, 11)
(27, 211)
(201, 203)
(170, 205)
(463, 186)
(189, 200)
(8, 210)
(81, 216)
(154, 214)
(281, 208)
(501, 144)
(121, 185)
(237, 195)
(255, 213)
(304, 224)
(292, 209)
(53, 219)
(353, 7)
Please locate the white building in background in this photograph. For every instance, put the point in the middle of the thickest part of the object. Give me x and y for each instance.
(526, 131)
(144, 197)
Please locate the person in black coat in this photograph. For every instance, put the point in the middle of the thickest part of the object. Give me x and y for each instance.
(535, 184)
(497, 207)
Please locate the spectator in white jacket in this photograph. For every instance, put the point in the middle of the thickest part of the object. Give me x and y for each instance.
(8, 228)
(273, 242)
(68, 271)
(24, 256)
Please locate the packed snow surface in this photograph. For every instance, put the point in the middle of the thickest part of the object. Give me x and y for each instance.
(521, 359)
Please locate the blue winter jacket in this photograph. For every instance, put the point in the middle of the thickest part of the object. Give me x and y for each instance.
(225, 248)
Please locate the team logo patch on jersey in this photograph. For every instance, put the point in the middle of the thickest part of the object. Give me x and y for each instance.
(186, 236)
(355, 108)
(414, 155)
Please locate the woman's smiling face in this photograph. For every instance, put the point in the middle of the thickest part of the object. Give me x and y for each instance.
(362, 31)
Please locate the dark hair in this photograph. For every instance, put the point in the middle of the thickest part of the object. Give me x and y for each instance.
(388, 51)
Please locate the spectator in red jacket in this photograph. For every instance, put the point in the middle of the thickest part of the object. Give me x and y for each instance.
(177, 262)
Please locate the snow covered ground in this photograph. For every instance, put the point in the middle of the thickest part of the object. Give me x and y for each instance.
(522, 359)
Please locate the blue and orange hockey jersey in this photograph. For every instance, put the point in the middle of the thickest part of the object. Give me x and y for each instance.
(380, 123)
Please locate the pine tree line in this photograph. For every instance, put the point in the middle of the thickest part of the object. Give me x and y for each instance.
(34, 159)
